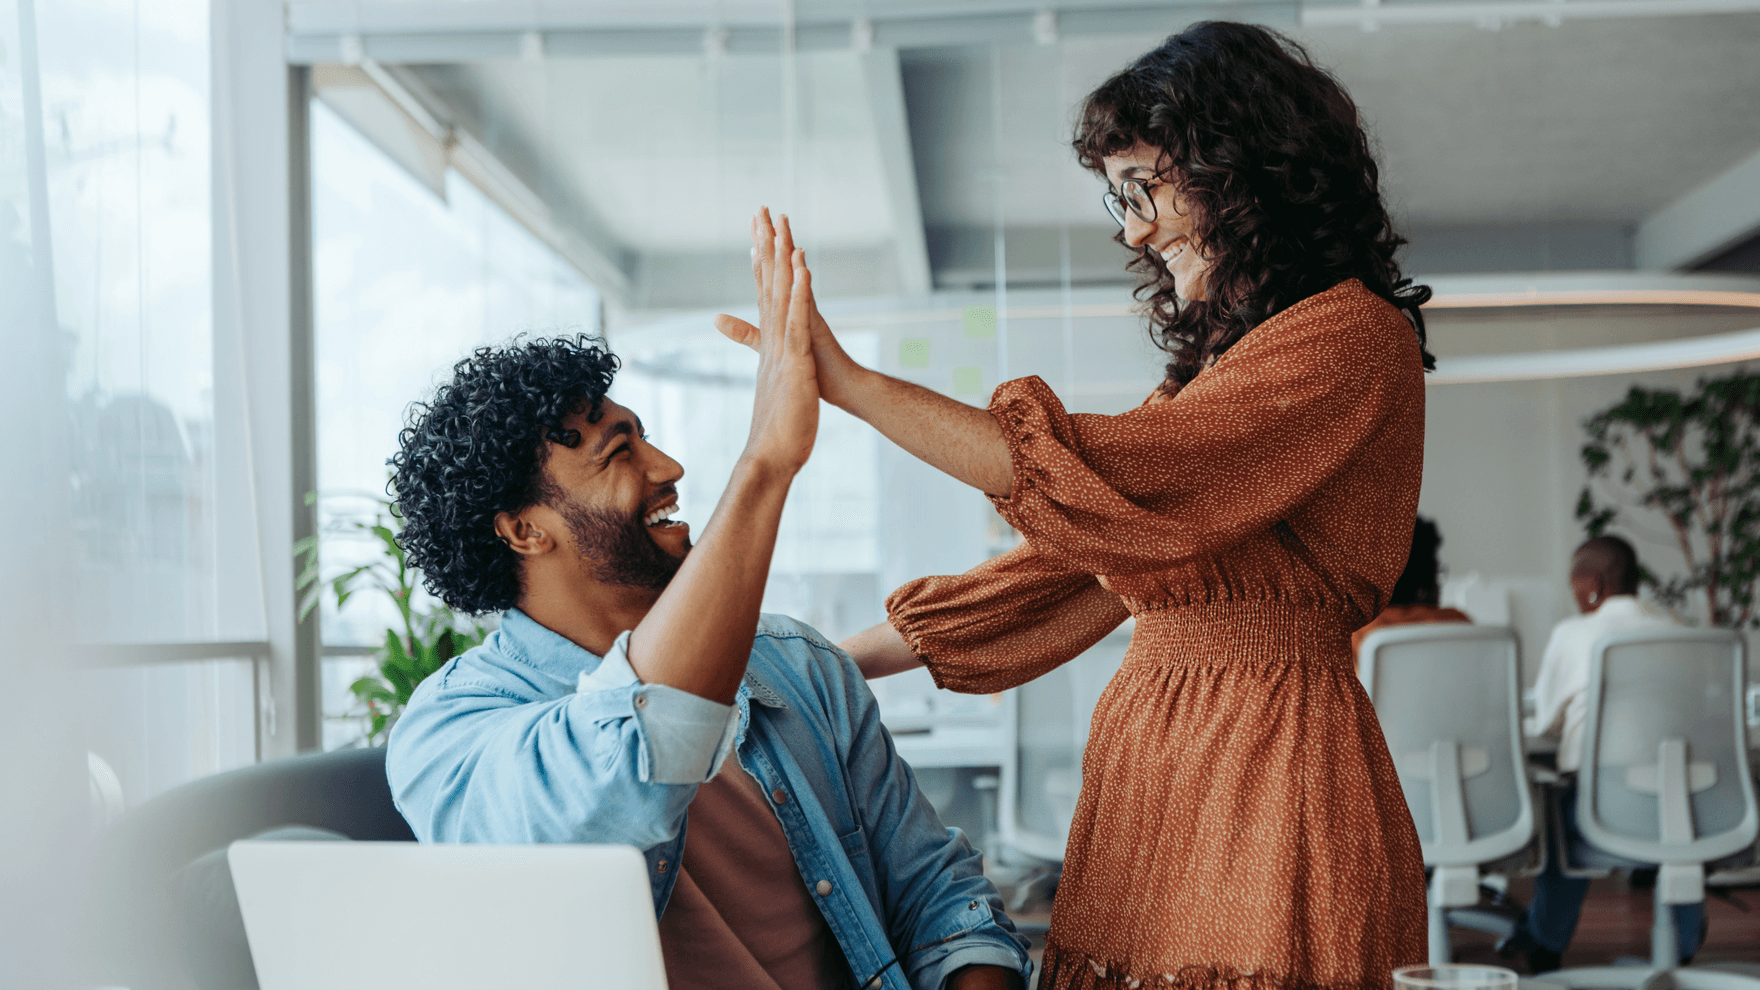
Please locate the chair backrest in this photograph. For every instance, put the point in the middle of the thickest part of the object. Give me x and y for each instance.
(1045, 729)
(447, 917)
(134, 867)
(1665, 765)
(1449, 700)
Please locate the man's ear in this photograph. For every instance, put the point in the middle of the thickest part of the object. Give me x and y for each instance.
(523, 534)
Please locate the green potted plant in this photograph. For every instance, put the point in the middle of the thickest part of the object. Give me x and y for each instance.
(428, 635)
(1693, 461)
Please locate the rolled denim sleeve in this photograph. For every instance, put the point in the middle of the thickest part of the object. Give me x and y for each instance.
(683, 738)
(485, 753)
(977, 950)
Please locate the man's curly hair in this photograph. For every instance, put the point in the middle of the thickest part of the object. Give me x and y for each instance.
(478, 448)
(1268, 150)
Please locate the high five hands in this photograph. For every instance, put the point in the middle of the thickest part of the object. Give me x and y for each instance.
(785, 414)
(772, 242)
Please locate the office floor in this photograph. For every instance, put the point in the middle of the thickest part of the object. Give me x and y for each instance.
(1615, 924)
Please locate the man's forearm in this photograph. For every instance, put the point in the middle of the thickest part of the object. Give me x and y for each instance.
(698, 636)
(985, 978)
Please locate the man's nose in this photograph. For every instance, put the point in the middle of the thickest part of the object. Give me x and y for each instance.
(662, 469)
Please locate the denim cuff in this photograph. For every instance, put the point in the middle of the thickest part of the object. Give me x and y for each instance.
(684, 739)
(976, 952)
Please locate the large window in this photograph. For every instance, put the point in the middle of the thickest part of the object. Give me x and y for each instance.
(405, 283)
(113, 95)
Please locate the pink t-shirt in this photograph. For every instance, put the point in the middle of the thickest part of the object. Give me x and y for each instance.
(740, 918)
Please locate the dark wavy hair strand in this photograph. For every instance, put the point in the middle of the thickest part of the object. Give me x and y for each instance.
(1268, 150)
(478, 448)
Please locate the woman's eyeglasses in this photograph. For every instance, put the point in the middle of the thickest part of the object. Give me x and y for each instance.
(1132, 195)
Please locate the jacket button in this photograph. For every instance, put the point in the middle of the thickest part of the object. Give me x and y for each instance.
(972, 906)
(660, 867)
(823, 887)
(641, 701)
(779, 795)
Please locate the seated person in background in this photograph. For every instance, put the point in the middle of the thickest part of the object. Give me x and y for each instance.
(633, 686)
(1418, 592)
(1604, 582)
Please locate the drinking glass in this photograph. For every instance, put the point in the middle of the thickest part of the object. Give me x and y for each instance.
(1454, 976)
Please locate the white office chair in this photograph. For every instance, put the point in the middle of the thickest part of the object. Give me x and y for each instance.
(1665, 780)
(1449, 700)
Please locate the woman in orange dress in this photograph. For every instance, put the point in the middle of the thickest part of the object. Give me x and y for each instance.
(1240, 823)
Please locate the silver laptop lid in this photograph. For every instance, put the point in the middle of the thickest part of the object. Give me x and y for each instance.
(395, 915)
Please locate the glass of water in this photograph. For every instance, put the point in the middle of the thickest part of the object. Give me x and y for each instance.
(1454, 977)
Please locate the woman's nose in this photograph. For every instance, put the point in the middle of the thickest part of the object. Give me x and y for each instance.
(1136, 232)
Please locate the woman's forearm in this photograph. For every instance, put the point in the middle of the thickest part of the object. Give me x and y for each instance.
(963, 441)
(880, 651)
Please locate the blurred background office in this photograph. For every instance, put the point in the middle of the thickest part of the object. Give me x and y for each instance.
(239, 237)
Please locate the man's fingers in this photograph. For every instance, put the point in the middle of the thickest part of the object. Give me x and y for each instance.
(764, 243)
(799, 335)
(784, 242)
(737, 330)
(781, 273)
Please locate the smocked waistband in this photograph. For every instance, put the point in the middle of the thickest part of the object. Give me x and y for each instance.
(1265, 632)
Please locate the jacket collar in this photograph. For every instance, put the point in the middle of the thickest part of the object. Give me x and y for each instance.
(547, 651)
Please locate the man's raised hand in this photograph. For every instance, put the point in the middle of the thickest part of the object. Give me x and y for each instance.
(785, 412)
(834, 365)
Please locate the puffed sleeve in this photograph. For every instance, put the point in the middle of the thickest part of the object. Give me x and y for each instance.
(1004, 622)
(1238, 449)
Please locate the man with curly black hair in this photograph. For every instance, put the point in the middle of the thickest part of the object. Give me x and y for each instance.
(629, 666)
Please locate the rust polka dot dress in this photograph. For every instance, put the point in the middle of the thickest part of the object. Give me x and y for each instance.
(1240, 823)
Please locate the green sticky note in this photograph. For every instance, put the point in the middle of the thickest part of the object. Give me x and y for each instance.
(968, 381)
(913, 352)
(980, 321)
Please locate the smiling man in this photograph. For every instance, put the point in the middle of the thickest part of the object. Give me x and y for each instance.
(633, 688)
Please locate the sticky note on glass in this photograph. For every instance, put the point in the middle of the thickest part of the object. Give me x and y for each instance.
(913, 352)
(968, 381)
(980, 321)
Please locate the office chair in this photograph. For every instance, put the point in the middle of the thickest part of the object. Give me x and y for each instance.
(160, 908)
(1665, 780)
(1449, 700)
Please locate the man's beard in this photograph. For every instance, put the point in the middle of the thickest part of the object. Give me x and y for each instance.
(619, 547)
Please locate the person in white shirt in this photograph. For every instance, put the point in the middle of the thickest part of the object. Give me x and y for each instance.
(1604, 582)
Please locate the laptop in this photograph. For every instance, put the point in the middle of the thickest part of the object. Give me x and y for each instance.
(397, 915)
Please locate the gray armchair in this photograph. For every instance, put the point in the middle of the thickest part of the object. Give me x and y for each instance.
(161, 911)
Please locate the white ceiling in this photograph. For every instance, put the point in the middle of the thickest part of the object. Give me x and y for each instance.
(673, 154)
(1592, 122)
(1606, 120)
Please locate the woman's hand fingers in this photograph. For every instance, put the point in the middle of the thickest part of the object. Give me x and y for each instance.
(738, 330)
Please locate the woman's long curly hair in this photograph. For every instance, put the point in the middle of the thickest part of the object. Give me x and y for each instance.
(477, 449)
(1268, 151)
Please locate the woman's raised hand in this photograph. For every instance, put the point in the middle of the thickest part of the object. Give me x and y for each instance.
(834, 365)
(785, 413)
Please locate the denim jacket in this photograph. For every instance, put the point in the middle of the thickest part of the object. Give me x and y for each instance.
(529, 738)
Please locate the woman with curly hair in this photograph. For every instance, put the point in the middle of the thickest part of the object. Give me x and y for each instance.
(1240, 822)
